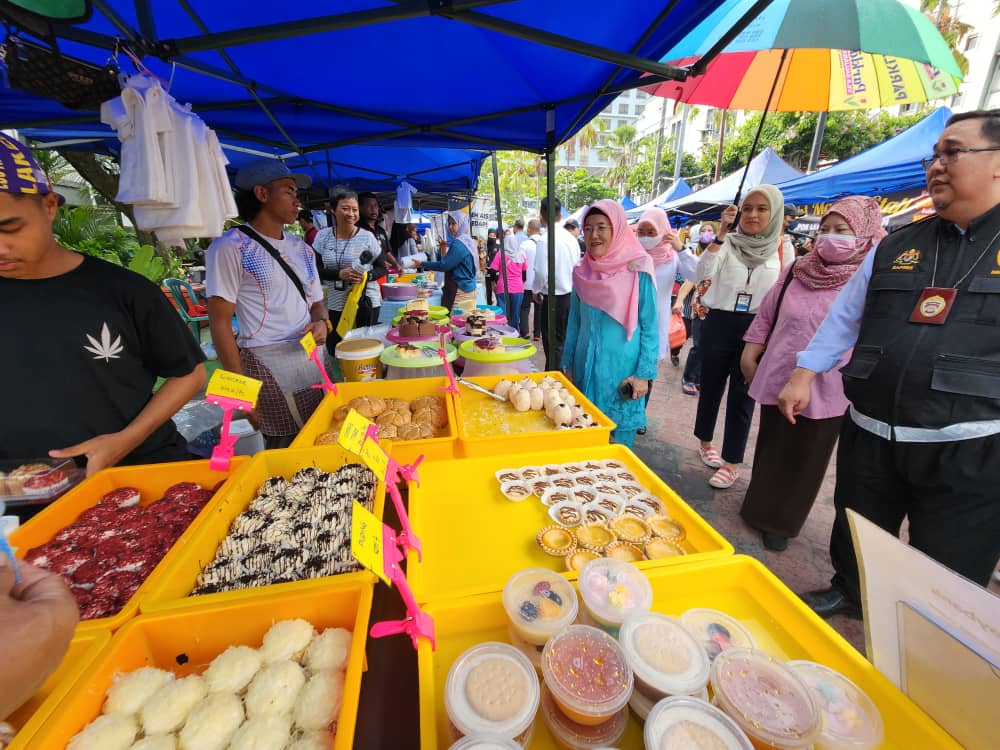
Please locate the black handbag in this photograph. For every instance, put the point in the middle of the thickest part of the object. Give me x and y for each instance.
(48, 73)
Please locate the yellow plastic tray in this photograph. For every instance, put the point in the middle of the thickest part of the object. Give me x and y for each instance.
(83, 650)
(203, 632)
(151, 480)
(778, 620)
(487, 427)
(474, 539)
(404, 451)
(170, 591)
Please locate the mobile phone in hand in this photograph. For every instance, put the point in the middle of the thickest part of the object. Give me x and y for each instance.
(626, 391)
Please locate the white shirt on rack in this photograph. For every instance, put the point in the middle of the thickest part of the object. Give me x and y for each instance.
(567, 256)
(730, 277)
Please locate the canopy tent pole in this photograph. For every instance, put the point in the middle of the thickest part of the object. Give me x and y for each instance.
(723, 115)
(503, 252)
(760, 127)
(551, 362)
(817, 141)
(659, 150)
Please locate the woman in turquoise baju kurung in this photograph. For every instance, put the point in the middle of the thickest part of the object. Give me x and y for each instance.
(612, 335)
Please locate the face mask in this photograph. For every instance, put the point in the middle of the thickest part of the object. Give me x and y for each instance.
(649, 242)
(706, 237)
(836, 248)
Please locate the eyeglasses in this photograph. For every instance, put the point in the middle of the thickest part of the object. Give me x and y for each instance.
(951, 154)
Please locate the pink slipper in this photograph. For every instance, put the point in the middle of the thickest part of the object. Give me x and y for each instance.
(710, 457)
(723, 479)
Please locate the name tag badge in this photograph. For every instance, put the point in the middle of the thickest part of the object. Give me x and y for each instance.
(743, 302)
(934, 305)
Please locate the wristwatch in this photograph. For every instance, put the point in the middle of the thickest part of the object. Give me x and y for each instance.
(329, 325)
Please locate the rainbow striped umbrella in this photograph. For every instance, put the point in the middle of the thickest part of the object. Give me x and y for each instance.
(816, 56)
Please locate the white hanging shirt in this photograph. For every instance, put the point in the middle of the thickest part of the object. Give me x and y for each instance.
(141, 181)
(404, 202)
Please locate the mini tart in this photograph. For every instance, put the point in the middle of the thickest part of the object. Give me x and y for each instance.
(631, 490)
(658, 547)
(585, 480)
(539, 486)
(556, 495)
(666, 527)
(573, 468)
(552, 470)
(608, 488)
(584, 494)
(594, 537)
(580, 558)
(530, 472)
(634, 509)
(595, 514)
(613, 464)
(515, 491)
(626, 476)
(624, 551)
(563, 480)
(653, 505)
(508, 475)
(631, 529)
(567, 514)
(604, 476)
(613, 504)
(556, 541)
(593, 465)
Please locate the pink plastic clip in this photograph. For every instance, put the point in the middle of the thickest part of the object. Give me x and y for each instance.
(406, 539)
(443, 354)
(222, 454)
(327, 385)
(417, 623)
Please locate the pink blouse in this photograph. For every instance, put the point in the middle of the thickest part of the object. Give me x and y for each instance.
(802, 311)
(515, 273)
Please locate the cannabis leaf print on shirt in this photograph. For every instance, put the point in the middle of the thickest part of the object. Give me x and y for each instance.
(105, 349)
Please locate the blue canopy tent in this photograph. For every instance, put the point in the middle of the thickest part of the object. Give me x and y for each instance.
(890, 167)
(767, 167)
(626, 202)
(253, 72)
(678, 190)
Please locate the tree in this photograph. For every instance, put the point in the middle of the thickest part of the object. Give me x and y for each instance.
(640, 179)
(942, 15)
(521, 176)
(621, 150)
(585, 138)
(577, 188)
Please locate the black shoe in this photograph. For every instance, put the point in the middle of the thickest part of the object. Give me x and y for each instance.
(641, 431)
(830, 602)
(774, 542)
(675, 360)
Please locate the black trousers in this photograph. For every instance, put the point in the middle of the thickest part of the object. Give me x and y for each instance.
(529, 321)
(692, 367)
(562, 321)
(948, 491)
(367, 316)
(721, 346)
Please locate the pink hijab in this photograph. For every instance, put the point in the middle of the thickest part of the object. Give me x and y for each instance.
(663, 252)
(611, 282)
(864, 216)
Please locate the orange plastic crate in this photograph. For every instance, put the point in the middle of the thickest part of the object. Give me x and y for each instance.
(203, 632)
(404, 451)
(152, 480)
(171, 589)
(83, 651)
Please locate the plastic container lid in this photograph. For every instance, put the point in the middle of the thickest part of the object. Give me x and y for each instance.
(533, 652)
(613, 589)
(359, 348)
(851, 721)
(681, 723)
(492, 688)
(716, 631)
(241, 428)
(766, 698)
(485, 742)
(587, 671)
(665, 658)
(570, 734)
(539, 603)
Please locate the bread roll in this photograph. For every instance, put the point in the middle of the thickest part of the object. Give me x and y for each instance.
(537, 399)
(502, 388)
(521, 400)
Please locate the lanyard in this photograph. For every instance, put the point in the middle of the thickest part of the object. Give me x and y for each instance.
(347, 246)
(937, 253)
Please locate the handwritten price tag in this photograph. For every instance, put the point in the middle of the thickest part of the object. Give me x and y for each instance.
(352, 434)
(366, 541)
(375, 458)
(308, 343)
(230, 385)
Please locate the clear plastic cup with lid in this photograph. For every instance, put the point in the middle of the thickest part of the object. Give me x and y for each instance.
(571, 735)
(665, 658)
(641, 705)
(539, 603)
(851, 721)
(491, 689)
(766, 698)
(716, 631)
(680, 723)
(612, 590)
(587, 673)
(485, 742)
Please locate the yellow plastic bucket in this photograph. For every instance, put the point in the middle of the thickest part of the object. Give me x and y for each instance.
(359, 359)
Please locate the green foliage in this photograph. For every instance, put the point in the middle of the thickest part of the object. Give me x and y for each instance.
(622, 150)
(577, 188)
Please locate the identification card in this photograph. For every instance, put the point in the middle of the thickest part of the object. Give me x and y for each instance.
(743, 302)
(934, 305)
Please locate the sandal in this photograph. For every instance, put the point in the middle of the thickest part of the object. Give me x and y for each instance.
(724, 478)
(710, 457)
(689, 388)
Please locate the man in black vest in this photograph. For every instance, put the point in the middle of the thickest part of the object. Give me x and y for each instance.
(923, 316)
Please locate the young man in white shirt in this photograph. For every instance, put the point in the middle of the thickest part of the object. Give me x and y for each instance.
(275, 303)
(530, 249)
(567, 256)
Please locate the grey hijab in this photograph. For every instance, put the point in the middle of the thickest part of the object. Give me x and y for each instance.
(753, 250)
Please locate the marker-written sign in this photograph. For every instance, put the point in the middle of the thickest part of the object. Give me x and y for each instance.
(366, 541)
(352, 433)
(227, 384)
(308, 343)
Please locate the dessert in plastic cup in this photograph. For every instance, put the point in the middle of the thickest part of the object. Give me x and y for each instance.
(571, 735)
(771, 704)
(492, 689)
(612, 590)
(665, 658)
(851, 721)
(587, 673)
(641, 705)
(680, 723)
(539, 603)
(716, 631)
(485, 742)
(533, 652)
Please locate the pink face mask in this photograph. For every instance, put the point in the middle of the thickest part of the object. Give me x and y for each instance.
(836, 248)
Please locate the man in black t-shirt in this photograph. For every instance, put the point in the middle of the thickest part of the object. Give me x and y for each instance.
(84, 341)
(370, 211)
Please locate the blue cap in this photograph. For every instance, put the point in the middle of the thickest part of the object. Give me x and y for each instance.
(263, 171)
